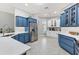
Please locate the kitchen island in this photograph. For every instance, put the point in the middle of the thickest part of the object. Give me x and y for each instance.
(10, 46)
(69, 42)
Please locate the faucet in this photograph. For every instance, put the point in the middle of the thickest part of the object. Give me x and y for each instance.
(3, 29)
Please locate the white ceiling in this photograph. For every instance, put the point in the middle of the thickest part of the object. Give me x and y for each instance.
(39, 9)
(53, 9)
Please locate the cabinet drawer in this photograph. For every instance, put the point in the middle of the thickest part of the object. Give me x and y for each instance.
(67, 48)
(67, 42)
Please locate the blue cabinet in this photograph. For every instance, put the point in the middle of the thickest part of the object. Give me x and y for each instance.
(62, 20)
(67, 17)
(17, 21)
(16, 37)
(21, 21)
(67, 48)
(23, 37)
(71, 16)
(27, 39)
(32, 20)
(67, 43)
(25, 22)
(77, 17)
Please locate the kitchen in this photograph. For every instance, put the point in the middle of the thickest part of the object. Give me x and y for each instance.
(27, 27)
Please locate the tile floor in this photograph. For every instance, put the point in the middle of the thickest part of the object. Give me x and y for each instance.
(46, 46)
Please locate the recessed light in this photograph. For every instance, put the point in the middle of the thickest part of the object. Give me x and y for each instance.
(26, 4)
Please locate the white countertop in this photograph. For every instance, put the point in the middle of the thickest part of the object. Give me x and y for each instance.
(74, 36)
(14, 33)
(10, 46)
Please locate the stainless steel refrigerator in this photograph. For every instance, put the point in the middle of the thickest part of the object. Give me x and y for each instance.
(33, 30)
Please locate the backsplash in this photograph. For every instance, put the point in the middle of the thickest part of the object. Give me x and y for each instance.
(67, 29)
(19, 29)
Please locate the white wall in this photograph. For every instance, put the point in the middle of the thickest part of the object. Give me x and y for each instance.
(6, 16)
(6, 19)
